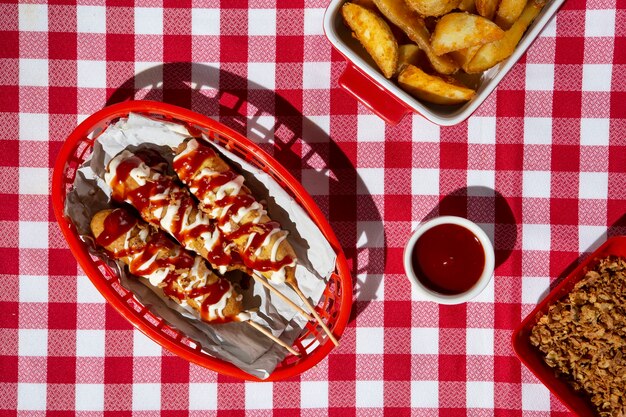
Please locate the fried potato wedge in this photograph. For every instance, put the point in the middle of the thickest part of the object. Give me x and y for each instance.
(464, 56)
(432, 88)
(401, 15)
(409, 54)
(467, 6)
(456, 31)
(494, 52)
(374, 34)
(433, 7)
(487, 8)
(508, 12)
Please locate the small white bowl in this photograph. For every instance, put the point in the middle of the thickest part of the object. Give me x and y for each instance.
(484, 278)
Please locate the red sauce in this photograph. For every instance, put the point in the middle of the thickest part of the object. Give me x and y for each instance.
(120, 221)
(187, 165)
(448, 259)
(116, 224)
(141, 196)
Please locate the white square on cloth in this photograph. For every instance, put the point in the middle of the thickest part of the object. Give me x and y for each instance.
(33, 18)
(31, 397)
(313, 18)
(314, 394)
(86, 292)
(370, 340)
(259, 396)
(146, 397)
(369, 394)
(479, 394)
(33, 235)
(424, 394)
(202, 396)
(316, 75)
(91, 19)
(424, 340)
(370, 128)
(479, 341)
(32, 342)
(536, 184)
(33, 288)
(34, 126)
(535, 397)
(261, 75)
(594, 132)
(148, 21)
(373, 181)
(424, 130)
(533, 288)
(89, 397)
(481, 130)
(539, 77)
(90, 343)
(33, 72)
(597, 77)
(593, 185)
(144, 346)
(205, 21)
(33, 180)
(425, 181)
(261, 22)
(537, 130)
(536, 237)
(92, 74)
(590, 237)
(599, 23)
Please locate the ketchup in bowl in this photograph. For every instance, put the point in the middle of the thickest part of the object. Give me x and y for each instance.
(448, 259)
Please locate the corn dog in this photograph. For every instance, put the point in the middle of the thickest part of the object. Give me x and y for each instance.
(181, 276)
(242, 219)
(162, 202)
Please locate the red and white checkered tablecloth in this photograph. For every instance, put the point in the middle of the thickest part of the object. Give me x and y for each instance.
(541, 166)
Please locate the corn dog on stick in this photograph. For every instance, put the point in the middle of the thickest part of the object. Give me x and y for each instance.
(243, 220)
(181, 276)
(139, 179)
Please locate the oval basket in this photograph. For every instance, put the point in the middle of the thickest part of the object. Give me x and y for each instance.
(334, 306)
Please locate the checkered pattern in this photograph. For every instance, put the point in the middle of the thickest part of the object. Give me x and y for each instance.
(541, 166)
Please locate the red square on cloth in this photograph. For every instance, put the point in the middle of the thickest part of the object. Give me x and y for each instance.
(61, 315)
(62, 45)
(61, 370)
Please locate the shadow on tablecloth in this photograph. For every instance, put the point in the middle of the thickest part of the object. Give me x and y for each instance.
(486, 207)
(298, 143)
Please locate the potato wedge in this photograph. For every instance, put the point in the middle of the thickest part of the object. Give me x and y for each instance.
(508, 12)
(433, 88)
(409, 54)
(401, 15)
(494, 52)
(487, 8)
(433, 7)
(464, 56)
(368, 4)
(467, 6)
(375, 35)
(456, 31)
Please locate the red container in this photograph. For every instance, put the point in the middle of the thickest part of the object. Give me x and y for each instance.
(336, 302)
(532, 357)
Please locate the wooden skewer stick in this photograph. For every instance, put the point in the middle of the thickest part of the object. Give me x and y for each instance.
(271, 336)
(295, 287)
(261, 279)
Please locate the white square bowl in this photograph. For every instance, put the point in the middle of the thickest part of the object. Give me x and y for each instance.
(365, 82)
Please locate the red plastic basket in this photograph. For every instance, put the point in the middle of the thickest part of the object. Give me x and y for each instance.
(336, 302)
(532, 357)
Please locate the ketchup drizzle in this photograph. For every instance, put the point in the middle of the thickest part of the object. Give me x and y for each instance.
(116, 225)
(142, 198)
(187, 165)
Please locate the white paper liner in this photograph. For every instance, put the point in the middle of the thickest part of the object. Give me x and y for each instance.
(237, 343)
